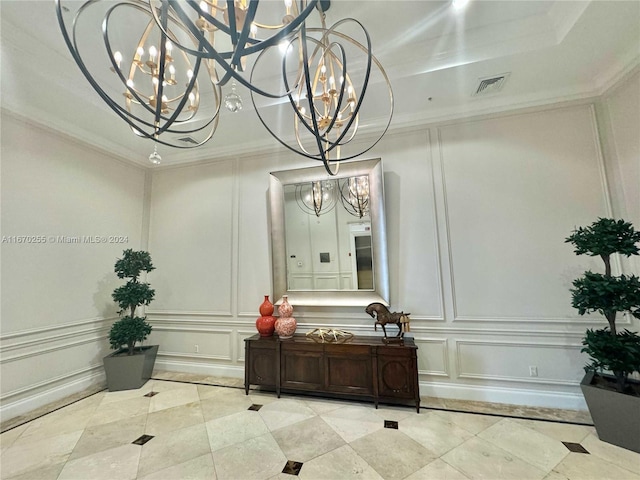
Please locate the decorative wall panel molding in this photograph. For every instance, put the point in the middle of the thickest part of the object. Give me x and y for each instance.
(164, 328)
(477, 360)
(455, 331)
(500, 186)
(189, 313)
(64, 346)
(194, 251)
(201, 368)
(196, 357)
(240, 336)
(577, 320)
(94, 370)
(75, 327)
(439, 359)
(199, 322)
(194, 343)
(415, 270)
(533, 397)
(27, 399)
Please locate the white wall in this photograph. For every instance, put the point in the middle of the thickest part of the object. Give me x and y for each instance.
(477, 214)
(56, 295)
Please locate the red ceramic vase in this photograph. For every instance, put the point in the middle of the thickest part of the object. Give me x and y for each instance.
(266, 325)
(266, 308)
(286, 327)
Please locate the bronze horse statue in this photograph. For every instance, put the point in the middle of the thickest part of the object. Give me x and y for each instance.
(383, 316)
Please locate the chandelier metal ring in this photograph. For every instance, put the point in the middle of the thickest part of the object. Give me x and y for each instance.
(163, 93)
(155, 106)
(324, 145)
(134, 93)
(239, 42)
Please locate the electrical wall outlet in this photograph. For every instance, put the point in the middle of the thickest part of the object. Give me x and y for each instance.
(197, 347)
(533, 371)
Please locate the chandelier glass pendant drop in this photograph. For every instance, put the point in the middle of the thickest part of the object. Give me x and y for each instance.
(160, 65)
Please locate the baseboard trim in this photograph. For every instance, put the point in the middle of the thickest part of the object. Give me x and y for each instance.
(232, 371)
(511, 396)
(30, 403)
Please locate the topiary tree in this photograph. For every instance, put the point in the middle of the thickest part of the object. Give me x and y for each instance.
(131, 329)
(608, 295)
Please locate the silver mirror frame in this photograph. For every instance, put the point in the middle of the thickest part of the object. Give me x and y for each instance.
(331, 298)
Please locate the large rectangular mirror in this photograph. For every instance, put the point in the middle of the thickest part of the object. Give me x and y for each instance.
(328, 235)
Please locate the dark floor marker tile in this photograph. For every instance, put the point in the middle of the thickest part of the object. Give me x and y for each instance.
(292, 468)
(142, 440)
(255, 407)
(575, 447)
(151, 394)
(390, 424)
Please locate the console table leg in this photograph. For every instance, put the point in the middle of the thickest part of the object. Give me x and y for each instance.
(247, 366)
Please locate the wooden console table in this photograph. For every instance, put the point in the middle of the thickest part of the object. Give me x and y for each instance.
(361, 367)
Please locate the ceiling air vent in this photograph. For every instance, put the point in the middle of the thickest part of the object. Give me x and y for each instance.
(187, 140)
(492, 84)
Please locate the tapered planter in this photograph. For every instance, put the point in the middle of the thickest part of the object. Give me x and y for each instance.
(127, 372)
(615, 415)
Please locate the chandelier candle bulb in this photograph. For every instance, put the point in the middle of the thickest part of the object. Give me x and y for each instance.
(152, 54)
(117, 56)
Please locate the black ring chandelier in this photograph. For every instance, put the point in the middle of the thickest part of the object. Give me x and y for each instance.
(169, 60)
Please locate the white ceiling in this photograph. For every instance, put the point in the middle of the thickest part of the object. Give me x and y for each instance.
(433, 54)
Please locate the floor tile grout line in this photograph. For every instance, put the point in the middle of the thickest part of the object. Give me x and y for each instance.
(502, 415)
(196, 383)
(144, 432)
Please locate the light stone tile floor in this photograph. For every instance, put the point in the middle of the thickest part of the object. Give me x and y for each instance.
(203, 431)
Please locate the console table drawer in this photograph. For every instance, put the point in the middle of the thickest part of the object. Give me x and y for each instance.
(349, 374)
(301, 369)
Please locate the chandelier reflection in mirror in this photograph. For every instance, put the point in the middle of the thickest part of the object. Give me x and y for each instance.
(317, 197)
(354, 195)
(169, 60)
